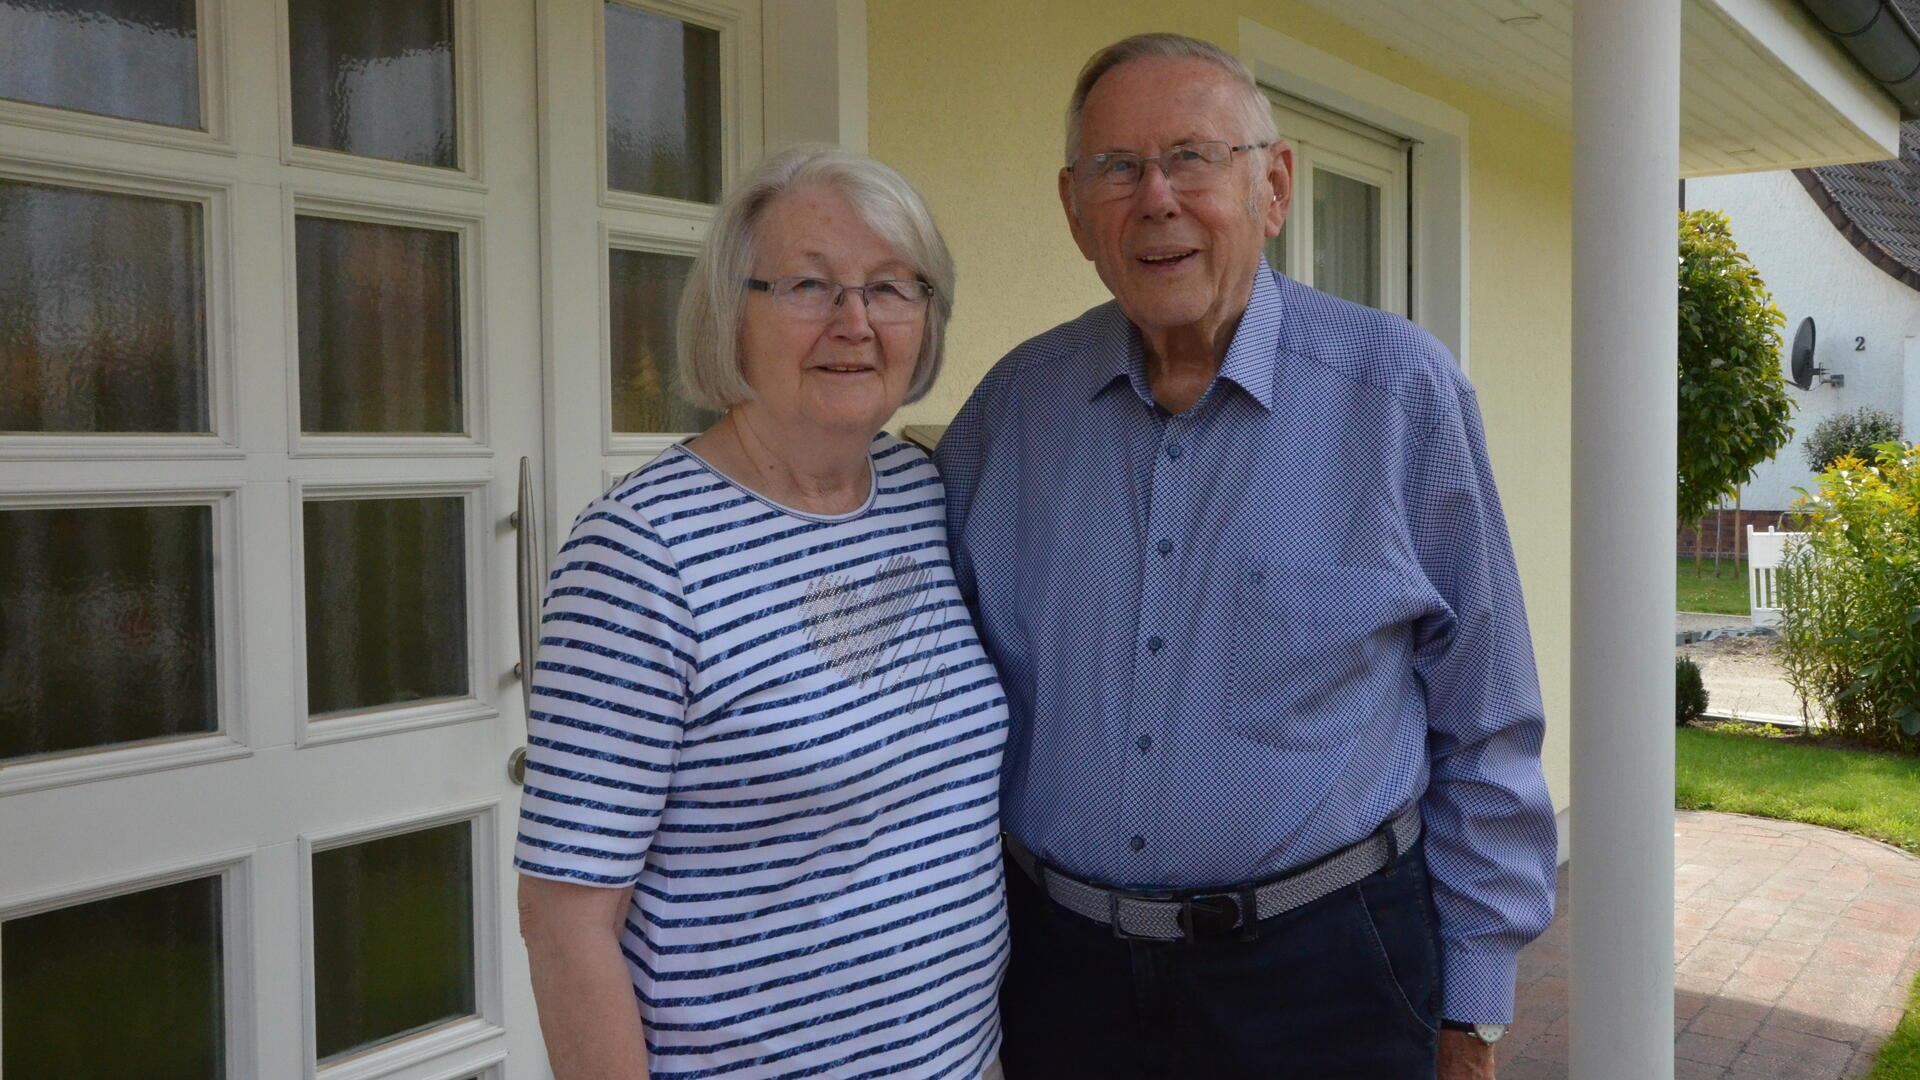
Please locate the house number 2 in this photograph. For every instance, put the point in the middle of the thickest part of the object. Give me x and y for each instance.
(1859, 344)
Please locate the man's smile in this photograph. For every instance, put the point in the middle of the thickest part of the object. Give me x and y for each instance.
(1165, 257)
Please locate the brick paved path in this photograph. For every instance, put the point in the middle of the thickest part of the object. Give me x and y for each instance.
(1794, 947)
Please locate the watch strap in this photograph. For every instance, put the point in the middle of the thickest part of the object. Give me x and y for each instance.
(1486, 1033)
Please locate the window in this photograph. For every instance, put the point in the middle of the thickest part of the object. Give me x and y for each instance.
(1347, 231)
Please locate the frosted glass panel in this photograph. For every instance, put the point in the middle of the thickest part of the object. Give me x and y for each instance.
(379, 328)
(134, 59)
(129, 986)
(386, 601)
(1346, 237)
(663, 105)
(375, 78)
(645, 297)
(103, 322)
(392, 937)
(106, 627)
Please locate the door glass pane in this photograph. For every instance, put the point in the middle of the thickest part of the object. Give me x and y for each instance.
(386, 602)
(379, 328)
(375, 78)
(127, 986)
(663, 105)
(1346, 237)
(106, 627)
(103, 312)
(392, 937)
(135, 59)
(645, 298)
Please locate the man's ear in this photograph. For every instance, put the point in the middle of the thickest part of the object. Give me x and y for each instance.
(1073, 215)
(1280, 181)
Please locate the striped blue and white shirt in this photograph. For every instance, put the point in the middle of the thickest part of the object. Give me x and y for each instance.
(1242, 637)
(781, 730)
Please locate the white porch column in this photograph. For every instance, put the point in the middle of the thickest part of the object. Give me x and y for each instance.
(1626, 157)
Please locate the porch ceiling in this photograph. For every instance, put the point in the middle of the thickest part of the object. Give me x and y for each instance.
(1762, 87)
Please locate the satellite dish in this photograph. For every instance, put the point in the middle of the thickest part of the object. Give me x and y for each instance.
(1801, 359)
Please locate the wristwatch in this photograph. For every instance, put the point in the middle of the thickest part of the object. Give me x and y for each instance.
(1486, 1033)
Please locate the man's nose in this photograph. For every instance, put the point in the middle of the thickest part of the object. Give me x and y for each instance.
(1154, 195)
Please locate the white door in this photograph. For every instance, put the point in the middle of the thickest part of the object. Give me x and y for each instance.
(269, 364)
(1347, 231)
(648, 110)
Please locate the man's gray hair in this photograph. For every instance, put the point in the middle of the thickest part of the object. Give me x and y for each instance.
(1257, 117)
(713, 306)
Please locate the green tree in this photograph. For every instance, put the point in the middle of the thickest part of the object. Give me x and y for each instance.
(1734, 406)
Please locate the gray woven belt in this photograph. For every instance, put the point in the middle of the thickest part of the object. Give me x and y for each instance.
(1184, 916)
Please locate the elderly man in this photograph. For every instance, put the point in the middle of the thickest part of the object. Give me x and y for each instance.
(1273, 793)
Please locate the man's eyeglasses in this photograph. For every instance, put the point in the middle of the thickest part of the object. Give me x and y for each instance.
(815, 298)
(1188, 167)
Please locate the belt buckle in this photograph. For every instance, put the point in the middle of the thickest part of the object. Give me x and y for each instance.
(1113, 915)
(1246, 911)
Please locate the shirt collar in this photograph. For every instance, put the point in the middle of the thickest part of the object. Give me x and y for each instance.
(1117, 351)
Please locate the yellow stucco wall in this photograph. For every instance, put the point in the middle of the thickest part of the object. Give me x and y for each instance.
(966, 98)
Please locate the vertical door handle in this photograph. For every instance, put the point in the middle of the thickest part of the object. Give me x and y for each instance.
(527, 577)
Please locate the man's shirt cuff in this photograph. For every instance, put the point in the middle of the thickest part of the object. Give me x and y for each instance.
(1477, 985)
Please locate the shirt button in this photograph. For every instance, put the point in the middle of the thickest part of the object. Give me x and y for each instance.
(1138, 843)
(1165, 547)
(1145, 743)
(1155, 643)
(1174, 451)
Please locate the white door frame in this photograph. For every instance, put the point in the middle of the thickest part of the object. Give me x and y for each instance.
(251, 802)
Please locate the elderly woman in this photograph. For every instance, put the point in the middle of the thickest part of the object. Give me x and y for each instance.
(763, 767)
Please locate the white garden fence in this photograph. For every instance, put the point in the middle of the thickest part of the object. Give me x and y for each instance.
(1766, 551)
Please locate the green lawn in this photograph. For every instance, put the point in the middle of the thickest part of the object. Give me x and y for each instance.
(1723, 595)
(1863, 792)
(1795, 779)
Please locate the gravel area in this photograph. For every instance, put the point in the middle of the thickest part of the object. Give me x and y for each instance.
(1744, 678)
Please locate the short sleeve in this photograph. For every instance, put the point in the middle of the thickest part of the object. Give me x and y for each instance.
(610, 691)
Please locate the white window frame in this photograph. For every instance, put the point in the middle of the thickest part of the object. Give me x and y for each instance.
(230, 738)
(738, 26)
(457, 1034)
(655, 223)
(215, 201)
(467, 229)
(215, 106)
(466, 175)
(236, 871)
(1437, 210)
(643, 446)
(1325, 142)
(479, 702)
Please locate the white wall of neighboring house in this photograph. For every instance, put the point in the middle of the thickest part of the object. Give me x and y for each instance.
(1813, 270)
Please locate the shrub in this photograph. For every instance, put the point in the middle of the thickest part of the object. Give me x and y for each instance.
(1850, 598)
(1689, 692)
(1855, 433)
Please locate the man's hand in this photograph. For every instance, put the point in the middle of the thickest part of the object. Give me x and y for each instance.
(1463, 1057)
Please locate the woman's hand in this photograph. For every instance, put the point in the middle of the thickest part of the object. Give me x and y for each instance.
(580, 981)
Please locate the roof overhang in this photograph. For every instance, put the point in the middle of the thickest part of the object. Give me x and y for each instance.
(1762, 86)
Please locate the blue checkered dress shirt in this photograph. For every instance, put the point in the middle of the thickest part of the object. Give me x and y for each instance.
(1242, 637)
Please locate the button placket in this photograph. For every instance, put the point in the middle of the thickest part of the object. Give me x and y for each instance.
(1165, 500)
(1166, 516)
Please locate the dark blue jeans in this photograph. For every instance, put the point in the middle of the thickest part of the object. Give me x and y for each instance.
(1347, 986)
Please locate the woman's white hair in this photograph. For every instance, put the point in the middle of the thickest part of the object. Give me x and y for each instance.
(1257, 114)
(713, 305)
